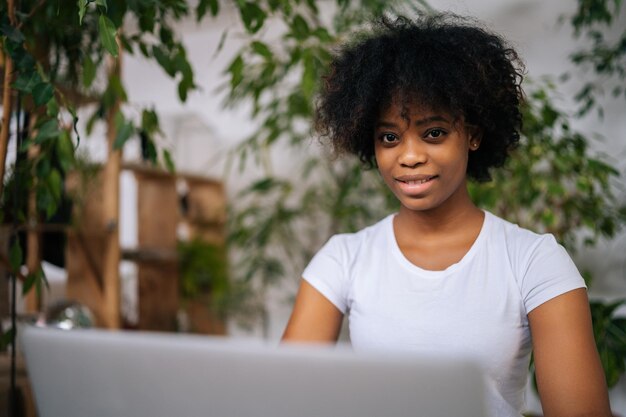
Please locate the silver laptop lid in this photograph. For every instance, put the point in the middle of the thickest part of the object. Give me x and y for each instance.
(97, 373)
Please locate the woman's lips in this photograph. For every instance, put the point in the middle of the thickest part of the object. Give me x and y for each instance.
(414, 184)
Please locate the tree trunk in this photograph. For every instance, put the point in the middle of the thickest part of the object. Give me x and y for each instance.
(111, 191)
(6, 100)
(7, 108)
(33, 300)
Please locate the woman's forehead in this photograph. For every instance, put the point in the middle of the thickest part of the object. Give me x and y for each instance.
(414, 109)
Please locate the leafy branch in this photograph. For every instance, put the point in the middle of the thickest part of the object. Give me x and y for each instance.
(595, 21)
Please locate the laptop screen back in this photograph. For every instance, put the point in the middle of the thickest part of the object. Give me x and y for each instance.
(98, 373)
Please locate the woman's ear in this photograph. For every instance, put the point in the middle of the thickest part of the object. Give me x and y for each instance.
(475, 135)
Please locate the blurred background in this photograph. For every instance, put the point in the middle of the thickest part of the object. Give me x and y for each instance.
(160, 170)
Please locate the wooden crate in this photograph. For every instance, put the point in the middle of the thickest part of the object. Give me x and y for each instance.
(161, 213)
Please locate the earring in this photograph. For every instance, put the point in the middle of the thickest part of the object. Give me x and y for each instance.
(474, 145)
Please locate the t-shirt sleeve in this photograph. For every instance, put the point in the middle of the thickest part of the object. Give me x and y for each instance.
(327, 273)
(550, 272)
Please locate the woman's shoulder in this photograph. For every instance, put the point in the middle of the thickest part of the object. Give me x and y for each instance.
(516, 235)
(526, 247)
(542, 267)
(344, 250)
(352, 241)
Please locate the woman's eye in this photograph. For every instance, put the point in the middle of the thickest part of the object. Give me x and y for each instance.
(388, 138)
(435, 133)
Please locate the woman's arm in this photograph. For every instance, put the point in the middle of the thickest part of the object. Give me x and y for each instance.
(314, 318)
(570, 377)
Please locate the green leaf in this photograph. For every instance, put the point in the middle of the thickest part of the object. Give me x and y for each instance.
(15, 256)
(149, 151)
(220, 44)
(46, 201)
(7, 338)
(201, 10)
(82, 10)
(107, 35)
(300, 28)
(164, 60)
(147, 20)
(169, 162)
(26, 81)
(95, 116)
(41, 279)
(186, 83)
(23, 61)
(12, 33)
(89, 71)
(126, 45)
(322, 34)
(183, 87)
(48, 130)
(114, 92)
(25, 145)
(215, 7)
(42, 93)
(253, 16)
(312, 6)
(264, 185)
(55, 183)
(309, 75)
(299, 105)
(166, 35)
(261, 49)
(549, 116)
(144, 49)
(65, 152)
(43, 167)
(236, 71)
(52, 108)
(29, 282)
(125, 130)
(150, 121)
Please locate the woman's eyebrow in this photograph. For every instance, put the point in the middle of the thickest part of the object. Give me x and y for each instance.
(431, 119)
(426, 120)
(384, 123)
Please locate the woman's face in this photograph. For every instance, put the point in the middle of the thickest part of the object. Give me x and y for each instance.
(422, 156)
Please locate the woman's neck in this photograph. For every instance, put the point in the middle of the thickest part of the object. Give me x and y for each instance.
(446, 218)
(435, 239)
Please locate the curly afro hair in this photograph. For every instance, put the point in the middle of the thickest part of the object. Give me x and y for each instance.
(443, 62)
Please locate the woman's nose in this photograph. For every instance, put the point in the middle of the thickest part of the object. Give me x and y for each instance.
(412, 153)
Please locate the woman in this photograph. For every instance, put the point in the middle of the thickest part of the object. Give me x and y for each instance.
(431, 103)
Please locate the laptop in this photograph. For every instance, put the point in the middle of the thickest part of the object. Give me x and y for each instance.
(98, 373)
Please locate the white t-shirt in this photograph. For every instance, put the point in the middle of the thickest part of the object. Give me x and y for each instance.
(475, 308)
